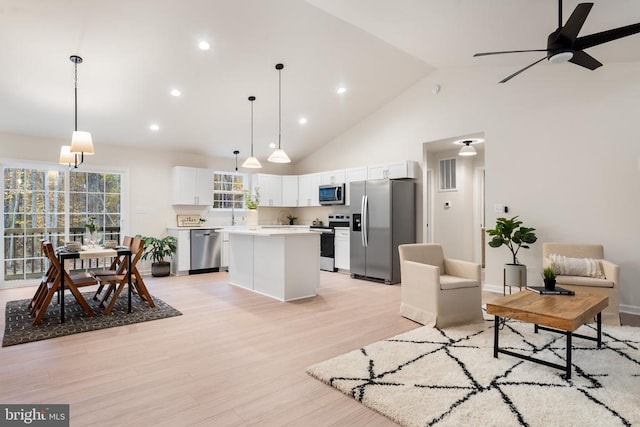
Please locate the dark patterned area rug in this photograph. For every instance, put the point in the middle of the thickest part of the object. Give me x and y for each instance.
(449, 377)
(19, 328)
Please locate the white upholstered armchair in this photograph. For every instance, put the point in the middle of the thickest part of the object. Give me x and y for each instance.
(437, 291)
(589, 280)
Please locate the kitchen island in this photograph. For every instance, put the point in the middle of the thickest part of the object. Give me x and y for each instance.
(282, 263)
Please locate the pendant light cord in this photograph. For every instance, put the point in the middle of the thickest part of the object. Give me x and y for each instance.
(252, 126)
(279, 106)
(75, 97)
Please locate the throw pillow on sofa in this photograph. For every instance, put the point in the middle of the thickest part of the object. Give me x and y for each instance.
(586, 267)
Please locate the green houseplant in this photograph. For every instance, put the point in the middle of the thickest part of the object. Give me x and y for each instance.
(511, 233)
(292, 219)
(157, 250)
(549, 278)
(251, 203)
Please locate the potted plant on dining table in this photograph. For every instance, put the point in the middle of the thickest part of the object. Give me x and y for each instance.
(92, 227)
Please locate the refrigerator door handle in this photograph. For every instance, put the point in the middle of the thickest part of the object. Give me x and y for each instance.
(365, 221)
(362, 229)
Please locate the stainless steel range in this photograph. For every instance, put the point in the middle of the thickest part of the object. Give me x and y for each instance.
(327, 239)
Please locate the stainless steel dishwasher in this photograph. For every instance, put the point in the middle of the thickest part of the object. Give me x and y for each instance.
(206, 245)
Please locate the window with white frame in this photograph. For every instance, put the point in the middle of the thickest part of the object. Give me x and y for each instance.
(227, 190)
(448, 174)
(48, 203)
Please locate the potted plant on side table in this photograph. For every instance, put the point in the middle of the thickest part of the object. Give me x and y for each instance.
(511, 233)
(157, 250)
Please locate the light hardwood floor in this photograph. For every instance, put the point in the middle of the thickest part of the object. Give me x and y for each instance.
(234, 358)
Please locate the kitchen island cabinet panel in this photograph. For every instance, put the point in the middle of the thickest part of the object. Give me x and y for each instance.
(281, 264)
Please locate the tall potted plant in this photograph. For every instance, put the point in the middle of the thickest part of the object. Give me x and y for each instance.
(157, 250)
(511, 233)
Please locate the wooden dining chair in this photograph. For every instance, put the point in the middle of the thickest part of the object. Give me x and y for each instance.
(71, 281)
(115, 283)
(48, 277)
(113, 269)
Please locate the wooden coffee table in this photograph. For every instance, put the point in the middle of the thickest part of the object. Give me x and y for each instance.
(555, 313)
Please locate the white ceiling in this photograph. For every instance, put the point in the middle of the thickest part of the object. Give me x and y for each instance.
(136, 51)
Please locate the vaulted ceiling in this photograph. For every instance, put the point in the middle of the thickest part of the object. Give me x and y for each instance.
(136, 52)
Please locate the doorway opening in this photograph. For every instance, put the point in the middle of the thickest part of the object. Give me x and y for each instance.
(455, 216)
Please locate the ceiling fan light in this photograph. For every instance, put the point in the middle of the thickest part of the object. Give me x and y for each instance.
(81, 142)
(467, 150)
(251, 162)
(561, 57)
(279, 156)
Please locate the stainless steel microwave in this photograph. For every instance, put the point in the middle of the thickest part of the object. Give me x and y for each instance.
(331, 194)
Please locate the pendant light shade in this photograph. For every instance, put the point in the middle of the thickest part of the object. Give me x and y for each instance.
(467, 150)
(279, 156)
(66, 156)
(81, 142)
(251, 161)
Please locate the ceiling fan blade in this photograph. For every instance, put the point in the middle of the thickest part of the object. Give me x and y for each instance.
(524, 69)
(591, 40)
(585, 60)
(575, 22)
(509, 51)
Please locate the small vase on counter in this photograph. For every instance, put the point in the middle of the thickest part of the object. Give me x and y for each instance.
(252, 219)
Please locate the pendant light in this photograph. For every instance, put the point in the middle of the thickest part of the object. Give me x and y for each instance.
(467, 150)
(279, 156)
(251, 161)
(81, 142)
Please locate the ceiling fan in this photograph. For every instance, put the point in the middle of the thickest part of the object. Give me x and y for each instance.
(565, 45)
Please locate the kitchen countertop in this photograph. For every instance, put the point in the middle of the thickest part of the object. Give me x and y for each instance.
(269, 231)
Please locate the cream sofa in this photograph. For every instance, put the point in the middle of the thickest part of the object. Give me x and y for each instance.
(608, 285)
(437, 291)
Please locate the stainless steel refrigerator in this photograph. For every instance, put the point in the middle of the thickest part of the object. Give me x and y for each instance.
(383, 216)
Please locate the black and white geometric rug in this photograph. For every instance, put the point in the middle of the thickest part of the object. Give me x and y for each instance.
(450, 378)
(19, 327)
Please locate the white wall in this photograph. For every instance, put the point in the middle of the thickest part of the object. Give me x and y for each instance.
(563, 152)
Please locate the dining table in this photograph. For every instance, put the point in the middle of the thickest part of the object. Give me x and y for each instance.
(90, 253)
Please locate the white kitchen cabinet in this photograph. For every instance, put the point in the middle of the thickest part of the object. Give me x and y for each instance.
(332, 177)
(224, 251)
(181, 261)
(342, 248)
(192, 186)
(290, 191)
(270, 189)
(308, 189)
(352, 175)
(394, 170)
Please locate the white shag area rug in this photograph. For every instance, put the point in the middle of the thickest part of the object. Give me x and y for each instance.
(450, 378)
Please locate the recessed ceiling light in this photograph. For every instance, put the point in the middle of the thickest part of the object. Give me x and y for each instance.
(176, 92)
(341, 90)
(272, 145)
(203, 45)
(154, 127)
(303, 120)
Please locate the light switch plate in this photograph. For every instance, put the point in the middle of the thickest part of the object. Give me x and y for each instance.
(497, 208)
